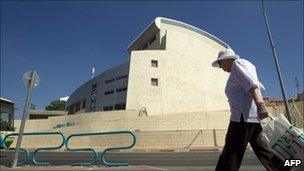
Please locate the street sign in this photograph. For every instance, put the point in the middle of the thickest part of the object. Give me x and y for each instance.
(27, 77)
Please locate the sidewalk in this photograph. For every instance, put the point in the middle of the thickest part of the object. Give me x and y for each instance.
(79, 168)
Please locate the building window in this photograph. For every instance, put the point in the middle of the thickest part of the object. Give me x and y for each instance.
(152, 39)
(121, 89)
(92, 104)
(74, 108)
(154, 63)
(70, 110)
(83, 102)
(107, 108)
(109, 92)
(77, 107)
(121, 77)
(93, 91)
(154, 81)
(110, 80)
(120, 106)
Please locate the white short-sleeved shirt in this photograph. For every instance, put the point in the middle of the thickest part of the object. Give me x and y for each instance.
(242, 78)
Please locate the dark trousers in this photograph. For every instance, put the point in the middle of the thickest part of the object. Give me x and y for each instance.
(237, 138)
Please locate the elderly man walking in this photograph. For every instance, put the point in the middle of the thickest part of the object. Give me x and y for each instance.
(247, 107)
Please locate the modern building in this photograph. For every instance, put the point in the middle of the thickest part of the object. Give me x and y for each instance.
(168, 71)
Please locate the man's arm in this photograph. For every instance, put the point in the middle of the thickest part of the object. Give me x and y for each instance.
(256, 94)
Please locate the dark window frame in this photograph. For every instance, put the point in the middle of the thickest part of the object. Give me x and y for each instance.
(154, 63)
(154, 81)
(108, 92)
(120, 106)
(107, 108)
(92, 103)
(109, 80)
(121, 77)
(121, 89)
(94, 89)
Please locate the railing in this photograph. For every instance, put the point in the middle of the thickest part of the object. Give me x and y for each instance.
(103, 154)
(32, 156)
(3, 145)
(117, 148)
(65, 141)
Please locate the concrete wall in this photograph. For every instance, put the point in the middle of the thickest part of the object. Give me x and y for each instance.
(145, 140)
(121, 120)
(184, 131)
(173, 131)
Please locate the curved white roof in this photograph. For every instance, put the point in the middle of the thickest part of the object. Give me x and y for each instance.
(159, 20)
(157, 23)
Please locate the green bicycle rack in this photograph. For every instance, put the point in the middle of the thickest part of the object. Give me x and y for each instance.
(32, 156)
(102, 156)
(81, 149)
(27, 154)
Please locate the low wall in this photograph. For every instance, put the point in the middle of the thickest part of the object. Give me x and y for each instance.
(122, 120)
(160, 132)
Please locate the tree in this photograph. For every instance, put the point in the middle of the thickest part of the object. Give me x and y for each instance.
(56, 105)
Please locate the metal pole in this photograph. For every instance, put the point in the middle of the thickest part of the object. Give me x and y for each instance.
(277, 65)
(25, 114)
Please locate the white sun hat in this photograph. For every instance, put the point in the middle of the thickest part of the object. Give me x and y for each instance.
(225, 54)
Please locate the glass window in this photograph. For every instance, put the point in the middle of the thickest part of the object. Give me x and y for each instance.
(83, 104)
(94, 89)
(109, 92)
(154, 81)
(70, 110)
(92, 104)
(120, 106)
(121, 77)
(107, 108)
(154, 63)
(121, 89)
(110, 80)
(77, 106)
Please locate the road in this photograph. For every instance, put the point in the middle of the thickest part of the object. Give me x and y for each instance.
(190, 160)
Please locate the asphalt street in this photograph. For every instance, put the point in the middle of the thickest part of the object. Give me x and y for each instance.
(190, 160)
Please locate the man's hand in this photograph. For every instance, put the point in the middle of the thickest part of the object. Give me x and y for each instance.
(261, 110)
(258, 99)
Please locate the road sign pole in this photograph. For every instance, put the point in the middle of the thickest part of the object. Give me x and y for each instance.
(277, 66)
(25, 114)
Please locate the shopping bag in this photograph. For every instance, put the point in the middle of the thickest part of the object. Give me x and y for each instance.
(286, 140)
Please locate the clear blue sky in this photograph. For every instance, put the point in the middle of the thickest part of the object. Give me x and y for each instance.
(63, 40)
